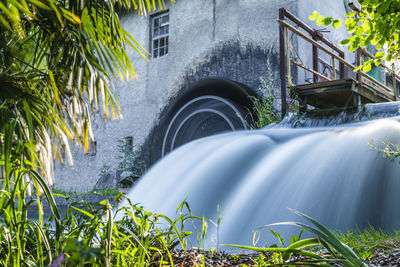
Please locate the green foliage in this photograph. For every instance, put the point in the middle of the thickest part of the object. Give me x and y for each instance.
(261, 260)
(263, 108)
(130, 159)
(321, 20)
(104, 192)
(388, 150)
(265, 111)
(77, 253)
(338, 251)
(57, 60)
(365, 242)
(87, 234)
(377, 23)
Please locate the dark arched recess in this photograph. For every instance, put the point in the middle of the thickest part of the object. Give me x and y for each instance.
(205, 108)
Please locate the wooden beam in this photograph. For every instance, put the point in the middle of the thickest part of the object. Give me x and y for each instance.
(282, 62)
(376, 86)
(309, 69)
(311, 31)
(302, 35)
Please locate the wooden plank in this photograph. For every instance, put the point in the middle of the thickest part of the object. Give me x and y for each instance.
(320, 90)
(344, 83)
(366, 80)
(308, 69)
(330, 99)
(372, 96)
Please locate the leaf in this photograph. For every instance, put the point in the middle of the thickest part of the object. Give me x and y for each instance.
(352, 14)
(378, 62)
(353, 46)
(345, 41)
(366, 26)
(337, 23)
(299, 244)
(359, 30)
(350, 24)
(367, 67)
(277, 235)
(379, 55)
(327, 21)
(83, 211)
(320, 20)
(314, 15)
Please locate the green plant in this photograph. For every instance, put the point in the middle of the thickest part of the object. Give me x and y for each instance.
(234, 257)
(365, 242)
(375, 23)
(338, 251)
(130, 160)
(263, 111)
(57, 61)
(263, 108)
(104, 192)
(388, 150)
(88, 234)
(262, 260)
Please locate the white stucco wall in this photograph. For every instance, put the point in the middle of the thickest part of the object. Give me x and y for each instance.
(197, 29)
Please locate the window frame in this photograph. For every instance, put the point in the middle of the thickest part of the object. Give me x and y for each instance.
(159, 37)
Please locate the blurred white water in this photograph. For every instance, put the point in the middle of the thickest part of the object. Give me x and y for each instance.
(329, 173)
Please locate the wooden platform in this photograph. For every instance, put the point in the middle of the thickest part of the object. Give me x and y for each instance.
(343, 93)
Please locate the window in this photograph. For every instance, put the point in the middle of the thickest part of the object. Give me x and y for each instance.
(160, 32)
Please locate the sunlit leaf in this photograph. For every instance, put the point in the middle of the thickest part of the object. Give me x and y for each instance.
(320, 20)
(314, 15)
(367, 67)
(337, 23)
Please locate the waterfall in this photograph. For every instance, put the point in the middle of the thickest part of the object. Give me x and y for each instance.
(331, 173)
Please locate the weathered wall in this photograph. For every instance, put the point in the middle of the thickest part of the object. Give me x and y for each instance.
(231, 39)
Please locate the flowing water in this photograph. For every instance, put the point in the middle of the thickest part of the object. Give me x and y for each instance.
(330, 173)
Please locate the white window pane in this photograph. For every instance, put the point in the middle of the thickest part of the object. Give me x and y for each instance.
(156, 22)
(161, 51)
(155, 53)
(155, 44)
(162, 42)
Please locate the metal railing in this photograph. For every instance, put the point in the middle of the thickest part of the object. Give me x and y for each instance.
(319, 42)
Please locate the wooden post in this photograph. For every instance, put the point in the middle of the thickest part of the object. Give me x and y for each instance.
(394, 83)
(282, 58)
(288, 66)
(358, 63)
(341, 66)
(333, 69)
(359, 60)
(315, 60)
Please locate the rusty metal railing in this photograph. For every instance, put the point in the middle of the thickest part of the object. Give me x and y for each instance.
(319, 42)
